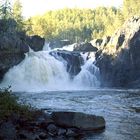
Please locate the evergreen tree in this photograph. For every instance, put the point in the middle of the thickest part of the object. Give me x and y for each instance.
(17, 14)
(5, 9)
(131, 8)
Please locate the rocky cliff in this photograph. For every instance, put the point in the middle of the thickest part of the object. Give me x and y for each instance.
(13, 45)
(119, 59)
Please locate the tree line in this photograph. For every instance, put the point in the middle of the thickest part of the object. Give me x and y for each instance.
(75, 24)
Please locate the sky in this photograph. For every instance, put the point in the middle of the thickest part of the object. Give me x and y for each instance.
(37, 7)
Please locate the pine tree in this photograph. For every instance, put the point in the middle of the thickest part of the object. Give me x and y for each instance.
(17, 14)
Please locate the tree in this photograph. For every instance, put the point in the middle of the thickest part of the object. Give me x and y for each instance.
(17, 14)
(5, 9)
(131, 8)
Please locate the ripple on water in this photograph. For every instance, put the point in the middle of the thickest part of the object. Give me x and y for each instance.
(120, 109)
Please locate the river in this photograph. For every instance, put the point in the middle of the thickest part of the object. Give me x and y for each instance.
(120, 108)
(43, 81)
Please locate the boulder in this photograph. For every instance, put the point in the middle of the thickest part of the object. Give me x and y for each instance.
(35, 42)
(85, 47)
(85, 122)
(7, 131)
(73, 60)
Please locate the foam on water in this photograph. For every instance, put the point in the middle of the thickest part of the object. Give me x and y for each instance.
(40, 71)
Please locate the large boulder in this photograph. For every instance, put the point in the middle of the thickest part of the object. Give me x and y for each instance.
(119, 60)
(85, 47)
(73, 60)
(35, 42)
(85, 122)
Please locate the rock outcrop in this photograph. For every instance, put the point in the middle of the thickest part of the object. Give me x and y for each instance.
(73, 60)
(13, 45)
(35, 42)
(79, 120)
(85, 47)
(119, 60)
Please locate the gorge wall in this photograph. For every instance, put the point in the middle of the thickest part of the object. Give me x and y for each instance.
(14, 44)
(119, 58)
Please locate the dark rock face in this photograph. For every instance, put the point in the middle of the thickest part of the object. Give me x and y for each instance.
(79, 120)
(73, 60)
(35, 42)
(85, 47)
(8, 60)
(13, 45)
(119, 61)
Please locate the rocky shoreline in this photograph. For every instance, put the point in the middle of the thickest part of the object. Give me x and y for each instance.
(54, 126)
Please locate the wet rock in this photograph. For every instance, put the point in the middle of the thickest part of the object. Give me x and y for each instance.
(7, 131)
(71, 133)
(119, 60)
(52, 129)
(73, 60)
(24, 134)
(136, 109)
(44, 120)
(85, 47)
(35, 42)
(43, 135)
(79, 120)
(62, 131)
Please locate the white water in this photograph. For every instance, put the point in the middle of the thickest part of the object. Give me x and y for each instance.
(40, 72)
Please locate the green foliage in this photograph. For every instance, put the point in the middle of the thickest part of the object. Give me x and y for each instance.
(131, 8)
(74, 24)
(9, 105)
(11, 20)
(17, 14)
(5, 9)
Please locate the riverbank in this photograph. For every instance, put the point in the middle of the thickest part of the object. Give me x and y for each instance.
(22, 122)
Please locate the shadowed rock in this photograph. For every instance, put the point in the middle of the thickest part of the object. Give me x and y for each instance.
(79, 120)
(85, 47)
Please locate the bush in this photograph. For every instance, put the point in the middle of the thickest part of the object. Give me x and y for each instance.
(9, 105)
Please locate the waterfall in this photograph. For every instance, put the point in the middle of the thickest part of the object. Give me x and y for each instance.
(40, 71)
(89, 73)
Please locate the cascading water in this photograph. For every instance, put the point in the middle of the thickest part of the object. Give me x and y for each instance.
(88, 74)
(40, 71)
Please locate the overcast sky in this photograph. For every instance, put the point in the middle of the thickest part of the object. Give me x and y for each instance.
(35, 7)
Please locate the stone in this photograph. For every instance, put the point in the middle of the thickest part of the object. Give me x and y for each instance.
(85, 47)
(52, 129)
(43, 135)
(73, 60)
(62, 131)
(71, 133)
(35, 42)
(85, 122)
(7, 131)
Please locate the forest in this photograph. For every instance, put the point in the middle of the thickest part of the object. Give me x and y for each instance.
(76, 25)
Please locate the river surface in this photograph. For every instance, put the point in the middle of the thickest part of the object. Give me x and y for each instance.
(120, 108)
